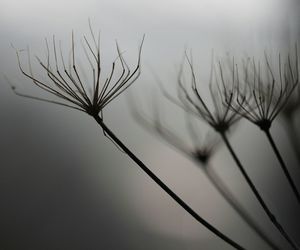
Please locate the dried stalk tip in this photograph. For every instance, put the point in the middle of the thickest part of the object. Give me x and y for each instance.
(66, 82)
(203, 147)
(221, 117)
(267, 90)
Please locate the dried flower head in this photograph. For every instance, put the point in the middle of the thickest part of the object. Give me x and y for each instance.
(65, 81)
(267, 92)
(221, 117)
(203, 147)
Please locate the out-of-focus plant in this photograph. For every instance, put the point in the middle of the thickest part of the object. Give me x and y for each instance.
(223, 89)
(204, 146)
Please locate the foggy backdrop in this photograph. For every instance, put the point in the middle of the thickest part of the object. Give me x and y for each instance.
(63, 185)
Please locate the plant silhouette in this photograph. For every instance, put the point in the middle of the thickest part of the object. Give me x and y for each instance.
(223, 94)
(201, 153)
(65, 83)
(266, 98)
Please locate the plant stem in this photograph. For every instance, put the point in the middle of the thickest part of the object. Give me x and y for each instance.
(165, 187)
(283, 166)
(257, 195)
(234, 203)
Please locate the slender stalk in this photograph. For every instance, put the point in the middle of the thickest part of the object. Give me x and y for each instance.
(234, 203)
(257, 195)
(282, 164)
(165, 187)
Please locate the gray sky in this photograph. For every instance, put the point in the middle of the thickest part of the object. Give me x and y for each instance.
(65, 186)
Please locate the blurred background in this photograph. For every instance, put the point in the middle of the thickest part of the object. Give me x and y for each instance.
(63, 185)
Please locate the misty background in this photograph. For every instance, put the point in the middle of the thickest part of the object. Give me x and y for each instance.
(63, 185)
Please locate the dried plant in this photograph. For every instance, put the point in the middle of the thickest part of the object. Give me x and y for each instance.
(221, 118)
(66, 84)
(267, 96)
(201, 152)
(223, 91)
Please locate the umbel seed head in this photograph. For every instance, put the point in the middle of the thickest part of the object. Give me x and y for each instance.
(268, 90)
(65, 81)
(220, 117)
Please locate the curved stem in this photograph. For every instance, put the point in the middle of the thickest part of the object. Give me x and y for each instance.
(234, 203)
(257, 195)
(282, 164)
(165, 187)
